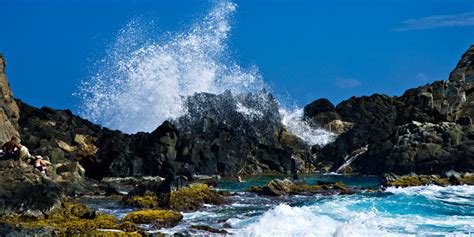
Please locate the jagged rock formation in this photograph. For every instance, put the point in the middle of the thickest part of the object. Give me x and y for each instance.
(102, 152)
(9, 112)
(222, 134)
(426, 130)
(229, 134)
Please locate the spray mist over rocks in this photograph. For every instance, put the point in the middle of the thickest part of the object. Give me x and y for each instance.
(142, 82)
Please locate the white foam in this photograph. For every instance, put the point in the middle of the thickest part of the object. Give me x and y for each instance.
(250, 113)
(284, 220)
(359, 215)
(462, 194)
(293, 121)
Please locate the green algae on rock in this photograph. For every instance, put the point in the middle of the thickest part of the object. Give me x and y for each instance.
(193, 197)
(148, 200)
(278, 187)
(71, 218)
(451, 178)
(159, 218)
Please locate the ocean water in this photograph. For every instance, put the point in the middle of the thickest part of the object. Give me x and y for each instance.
(147, 79)
(413, 211)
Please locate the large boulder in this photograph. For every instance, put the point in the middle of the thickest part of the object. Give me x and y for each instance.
(9, 112)
(320, 111)
(26, 191)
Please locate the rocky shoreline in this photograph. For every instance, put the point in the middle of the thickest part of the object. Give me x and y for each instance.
(423, 137)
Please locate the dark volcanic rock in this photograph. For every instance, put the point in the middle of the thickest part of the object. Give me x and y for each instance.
(318, 106)
(102, 152)
(320, 112)
(422, 148)
(221, 134)
(416, 132)
(225, 134)
(374, 120)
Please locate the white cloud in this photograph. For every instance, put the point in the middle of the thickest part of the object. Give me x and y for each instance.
(437, 21)
(346, 83)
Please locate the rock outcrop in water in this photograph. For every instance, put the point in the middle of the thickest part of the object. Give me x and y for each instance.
(426, 130)
(278, 187)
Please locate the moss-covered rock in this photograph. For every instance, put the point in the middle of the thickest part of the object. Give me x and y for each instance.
(159, 218)
(279, 187)
(70, 219)
(193, 197)
(414, 180)
(149, 200)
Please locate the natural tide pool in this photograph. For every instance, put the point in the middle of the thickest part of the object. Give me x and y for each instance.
(414, 211)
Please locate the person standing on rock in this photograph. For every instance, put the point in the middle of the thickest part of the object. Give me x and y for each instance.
(14, 150)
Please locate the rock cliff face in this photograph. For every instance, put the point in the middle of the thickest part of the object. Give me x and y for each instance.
(426, 130)
(9, 113)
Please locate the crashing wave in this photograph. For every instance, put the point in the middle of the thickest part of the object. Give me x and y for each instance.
(142, 83)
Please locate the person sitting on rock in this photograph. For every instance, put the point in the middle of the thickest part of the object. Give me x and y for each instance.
(12, 149)
(41, 164)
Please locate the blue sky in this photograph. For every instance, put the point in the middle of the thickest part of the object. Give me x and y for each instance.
(305, 48)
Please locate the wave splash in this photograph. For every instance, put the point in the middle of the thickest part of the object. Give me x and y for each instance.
(143, 87)
(307, 222)
(424, 210)
(142, 83)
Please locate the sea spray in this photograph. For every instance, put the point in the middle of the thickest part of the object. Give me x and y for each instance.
(143, 82)
(143, 87)
(293, 121)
